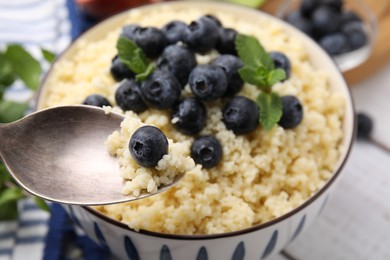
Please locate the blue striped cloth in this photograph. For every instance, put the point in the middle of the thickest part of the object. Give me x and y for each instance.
(38, 234)
(26, 235)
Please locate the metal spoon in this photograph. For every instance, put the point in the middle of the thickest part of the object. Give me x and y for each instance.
(58, 154)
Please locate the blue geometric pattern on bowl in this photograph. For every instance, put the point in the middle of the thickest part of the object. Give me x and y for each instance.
(202, 254)
(74, 218)
(323, 205)
(239, 253)
(165, 253)
(271, 245)
(299, 228)
(100, 237)
(131, 251)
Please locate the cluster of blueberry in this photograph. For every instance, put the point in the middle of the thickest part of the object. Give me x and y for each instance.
(337, 30)
(173, 48)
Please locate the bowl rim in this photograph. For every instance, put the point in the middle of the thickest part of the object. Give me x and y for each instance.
(257, 227)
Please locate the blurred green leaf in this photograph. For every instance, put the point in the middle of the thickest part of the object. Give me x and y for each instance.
(9, 210)
(250, 3)
(11, 111)
(41, 204)
(8, 203)
(4, 176)
(2, 90)
(10, 194)
(48, 55)
(7, 76)
(24, 65)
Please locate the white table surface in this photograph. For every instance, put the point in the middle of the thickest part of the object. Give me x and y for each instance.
(356, 222)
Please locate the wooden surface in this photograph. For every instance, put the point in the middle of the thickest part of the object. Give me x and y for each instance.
(381, 52)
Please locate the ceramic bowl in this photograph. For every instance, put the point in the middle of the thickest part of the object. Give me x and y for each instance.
(256, 242)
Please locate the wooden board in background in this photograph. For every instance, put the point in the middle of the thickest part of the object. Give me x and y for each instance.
(381, 52)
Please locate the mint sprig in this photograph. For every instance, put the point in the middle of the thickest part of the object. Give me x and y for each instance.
(259, 70)
(134, 58)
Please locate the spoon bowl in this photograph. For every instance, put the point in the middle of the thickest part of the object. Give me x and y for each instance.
(58, 154)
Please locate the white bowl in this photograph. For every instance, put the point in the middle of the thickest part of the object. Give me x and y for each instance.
(255, 242)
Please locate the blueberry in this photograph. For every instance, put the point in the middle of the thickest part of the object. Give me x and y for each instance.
(179, 60)
(335, 4)
(294, 17)
(175, 31)
(128, 96)
(355, 34)
(334, 44)
(300, 22)
(151, 40)
(325, 20)
(226, 41)
(230, 65)
(206, 151)
(214, 19)
(307, 7)
(202, 35)
(364, 125)
(190, 114)
(119, 70)
(161, 90)
(241, 115)
(129, 31)
(208, 82)
(96, 100)
(281, 61)
(148, 145)
(292, 113)
(349, 16)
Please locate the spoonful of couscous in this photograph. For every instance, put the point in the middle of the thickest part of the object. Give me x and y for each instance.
(58, 154)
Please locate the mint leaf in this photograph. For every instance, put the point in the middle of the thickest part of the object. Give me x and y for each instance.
(11, 111)
(132, 56)
(270, 109)
(142, 76)
(255, 76)
(48, 55)
(41, 204)
(247, 48)
(275, 76)
(24, 65)
(252, 53)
